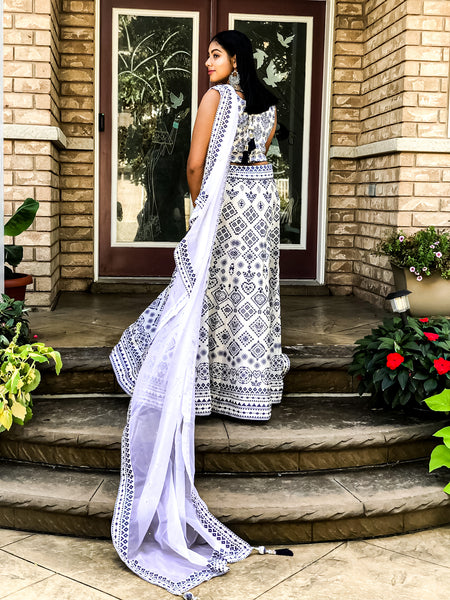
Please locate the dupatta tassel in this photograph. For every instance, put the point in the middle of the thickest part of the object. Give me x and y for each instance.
(278, 551)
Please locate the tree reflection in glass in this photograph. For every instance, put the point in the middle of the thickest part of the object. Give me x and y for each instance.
(153, 102)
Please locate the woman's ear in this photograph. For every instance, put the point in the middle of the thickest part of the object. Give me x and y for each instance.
(233, 62)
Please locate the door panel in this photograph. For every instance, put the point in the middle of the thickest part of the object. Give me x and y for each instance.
(288, 39)
(154, 92)
(150, 61)
(149, 92)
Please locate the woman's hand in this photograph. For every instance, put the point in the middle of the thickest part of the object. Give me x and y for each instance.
(272, 133)
(200, 141)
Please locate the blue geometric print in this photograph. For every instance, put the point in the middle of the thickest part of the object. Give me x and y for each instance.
(240, 366)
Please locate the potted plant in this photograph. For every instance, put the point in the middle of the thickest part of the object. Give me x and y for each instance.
(421, 263)
(19, 376)
(401, 364)
(15, 283)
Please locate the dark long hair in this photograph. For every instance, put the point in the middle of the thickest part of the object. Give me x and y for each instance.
(258, 98)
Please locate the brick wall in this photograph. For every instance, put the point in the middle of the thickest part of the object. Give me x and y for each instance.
(31, 97)
(403, 94)
(49, 83)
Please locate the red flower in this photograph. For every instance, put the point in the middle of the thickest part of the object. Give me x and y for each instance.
(431, 336)
(424, 320)
(394, 359)
(442, 366)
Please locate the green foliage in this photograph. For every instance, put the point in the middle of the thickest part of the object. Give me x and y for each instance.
(13, 312)
(19, 376)
(422, 253)
(418, 368)
(439, 402)
(22, 218)
(440, 456)
(17, 224)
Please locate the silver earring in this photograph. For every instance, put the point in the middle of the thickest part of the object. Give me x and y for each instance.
(234, 79)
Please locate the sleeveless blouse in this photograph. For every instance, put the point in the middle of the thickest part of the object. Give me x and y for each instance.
(256, 127)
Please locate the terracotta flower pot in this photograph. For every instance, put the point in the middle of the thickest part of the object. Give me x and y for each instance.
(429, 297)
(16, 286)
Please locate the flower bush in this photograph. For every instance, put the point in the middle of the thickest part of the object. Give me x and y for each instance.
(422, 252)
(19, 376)
(440, 456)
(402, 364)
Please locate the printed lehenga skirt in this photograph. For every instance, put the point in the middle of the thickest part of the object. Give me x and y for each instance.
(240, 366)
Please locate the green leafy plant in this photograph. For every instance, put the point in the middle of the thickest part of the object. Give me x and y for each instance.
(440, 456)
(17, 224)
(19, 376)
(422, 252)
(402, 364)
(13, 312)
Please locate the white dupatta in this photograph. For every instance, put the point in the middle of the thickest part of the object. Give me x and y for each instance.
(161, 528)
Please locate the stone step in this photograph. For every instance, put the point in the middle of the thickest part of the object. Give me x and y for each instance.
(155, 285)
(314, 369)
(305, 433)
(270, 509)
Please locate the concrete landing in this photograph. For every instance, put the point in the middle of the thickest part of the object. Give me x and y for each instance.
(407, 567)
(82, 319)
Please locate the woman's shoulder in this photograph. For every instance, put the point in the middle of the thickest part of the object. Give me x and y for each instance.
(223, 89)
(211, 98)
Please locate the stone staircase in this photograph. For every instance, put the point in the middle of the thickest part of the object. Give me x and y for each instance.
(325, 467)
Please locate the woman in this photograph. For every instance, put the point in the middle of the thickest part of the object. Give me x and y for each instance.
(240, 366)
(211, 340)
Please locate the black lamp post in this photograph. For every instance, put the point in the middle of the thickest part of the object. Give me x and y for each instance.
(399, 303)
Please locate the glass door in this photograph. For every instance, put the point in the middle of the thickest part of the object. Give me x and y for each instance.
(154, 99)
(155, 58)
(288, 39)
(149, 97)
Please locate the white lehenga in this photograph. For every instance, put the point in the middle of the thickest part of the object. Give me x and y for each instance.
(240, 366)
(161, 528)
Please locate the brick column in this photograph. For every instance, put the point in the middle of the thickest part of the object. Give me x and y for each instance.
(397, 170)
(345, 132)
(77, 162)
(31, 116)
(49, 117)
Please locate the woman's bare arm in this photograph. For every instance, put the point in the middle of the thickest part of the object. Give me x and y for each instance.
(272, 133)
(200, 141)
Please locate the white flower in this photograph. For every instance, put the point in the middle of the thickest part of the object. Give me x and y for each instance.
(419, 278)
(438, 254)
(424, 268)
(412, 269)
(432, 246)
(401, 238)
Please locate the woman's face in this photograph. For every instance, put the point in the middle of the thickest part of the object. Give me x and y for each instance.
(219, 63)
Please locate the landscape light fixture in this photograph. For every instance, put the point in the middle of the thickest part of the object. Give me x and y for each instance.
(399, 303)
